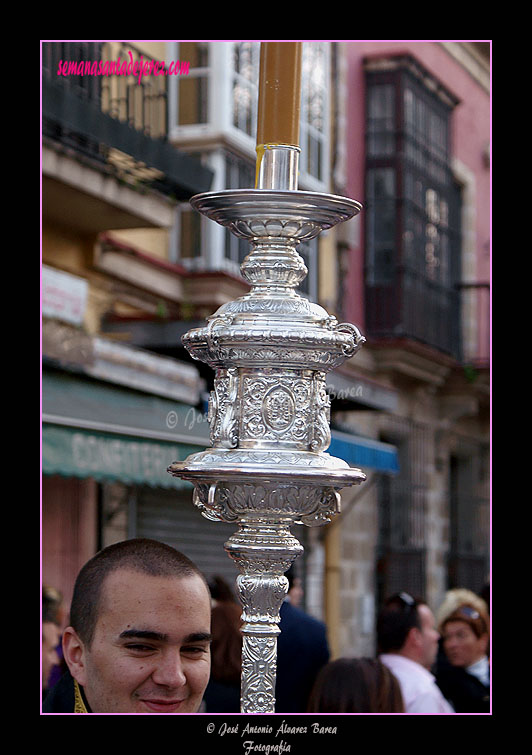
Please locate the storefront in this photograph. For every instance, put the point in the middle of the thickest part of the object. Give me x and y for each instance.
(105, 452)
(106, 447)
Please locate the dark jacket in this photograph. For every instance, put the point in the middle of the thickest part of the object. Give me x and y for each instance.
(466, 693)
(302, 649)
(220, 697)
(61, 699)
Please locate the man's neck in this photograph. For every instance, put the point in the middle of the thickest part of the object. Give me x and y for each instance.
(411, 657)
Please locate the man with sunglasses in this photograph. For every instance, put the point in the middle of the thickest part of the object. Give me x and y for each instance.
(408, 644)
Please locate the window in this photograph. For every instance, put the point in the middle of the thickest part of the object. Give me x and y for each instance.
(381, 232)
(468, 562)
(245, 91)
(220, 95)
(193, 89)
(217, 105)
(412, 237)
(402, 517)
(381, 120)
(189, 233)
(314, 125)
(240, 174)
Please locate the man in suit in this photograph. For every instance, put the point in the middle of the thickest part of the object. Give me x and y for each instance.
(302, 649)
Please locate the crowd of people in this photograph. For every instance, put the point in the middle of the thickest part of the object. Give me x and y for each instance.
(147, 633)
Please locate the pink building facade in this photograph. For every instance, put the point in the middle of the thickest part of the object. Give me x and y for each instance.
(465, 79)
(414, 129)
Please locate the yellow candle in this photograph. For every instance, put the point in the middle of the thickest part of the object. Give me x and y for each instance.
(279, 93)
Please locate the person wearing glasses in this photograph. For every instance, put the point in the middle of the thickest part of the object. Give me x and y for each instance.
(407, 641)
(463, 672)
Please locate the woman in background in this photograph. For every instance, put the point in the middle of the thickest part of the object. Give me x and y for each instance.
(223, 691)
(356, 685)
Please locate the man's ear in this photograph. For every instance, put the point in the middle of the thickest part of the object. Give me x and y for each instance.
(413, 638)
(74, 654)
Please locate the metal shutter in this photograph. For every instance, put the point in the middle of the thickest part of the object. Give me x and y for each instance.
(171, 517)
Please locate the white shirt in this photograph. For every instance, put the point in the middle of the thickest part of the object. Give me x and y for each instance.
(420, 691)
(481, 669)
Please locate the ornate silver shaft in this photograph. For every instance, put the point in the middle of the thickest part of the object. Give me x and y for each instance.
(263, 553)
(269, 411)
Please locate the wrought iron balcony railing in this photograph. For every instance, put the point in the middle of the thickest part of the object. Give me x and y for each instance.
(451, 319)
(410, 305)
(117, 122)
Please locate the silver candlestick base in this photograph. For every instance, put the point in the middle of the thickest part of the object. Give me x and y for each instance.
(269, 412)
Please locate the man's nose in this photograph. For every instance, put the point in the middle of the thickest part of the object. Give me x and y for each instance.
(169, 671)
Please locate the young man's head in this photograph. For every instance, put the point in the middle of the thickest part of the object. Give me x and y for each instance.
(406, 626)
(139, 634)
(465, 636)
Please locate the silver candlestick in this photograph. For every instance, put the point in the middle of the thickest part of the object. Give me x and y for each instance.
(269, 412)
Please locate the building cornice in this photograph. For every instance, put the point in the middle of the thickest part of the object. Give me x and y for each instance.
(471, 60)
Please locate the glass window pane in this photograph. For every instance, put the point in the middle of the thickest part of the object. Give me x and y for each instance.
(245, 86)
(313, 84)
(314, 103)
(381, 120)
(381, 225)
(189, 243)
(195, 53)
(193, 94)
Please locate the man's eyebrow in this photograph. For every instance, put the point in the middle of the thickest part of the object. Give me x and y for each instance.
(198, 637)
(143, 634)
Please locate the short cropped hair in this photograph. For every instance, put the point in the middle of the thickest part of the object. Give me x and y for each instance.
(395, 620)
(140, 555)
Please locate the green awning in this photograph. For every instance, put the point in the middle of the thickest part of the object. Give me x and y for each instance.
(72, 452)
(95, 429)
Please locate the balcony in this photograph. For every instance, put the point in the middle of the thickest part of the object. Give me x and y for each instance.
(453, 320)
(114, 128)
(412, 306)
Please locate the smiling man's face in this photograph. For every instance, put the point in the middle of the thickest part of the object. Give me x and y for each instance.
(150, 652)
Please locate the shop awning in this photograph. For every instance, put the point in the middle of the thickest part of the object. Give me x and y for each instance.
(100, 430)
(72, 452)
(364, 452)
